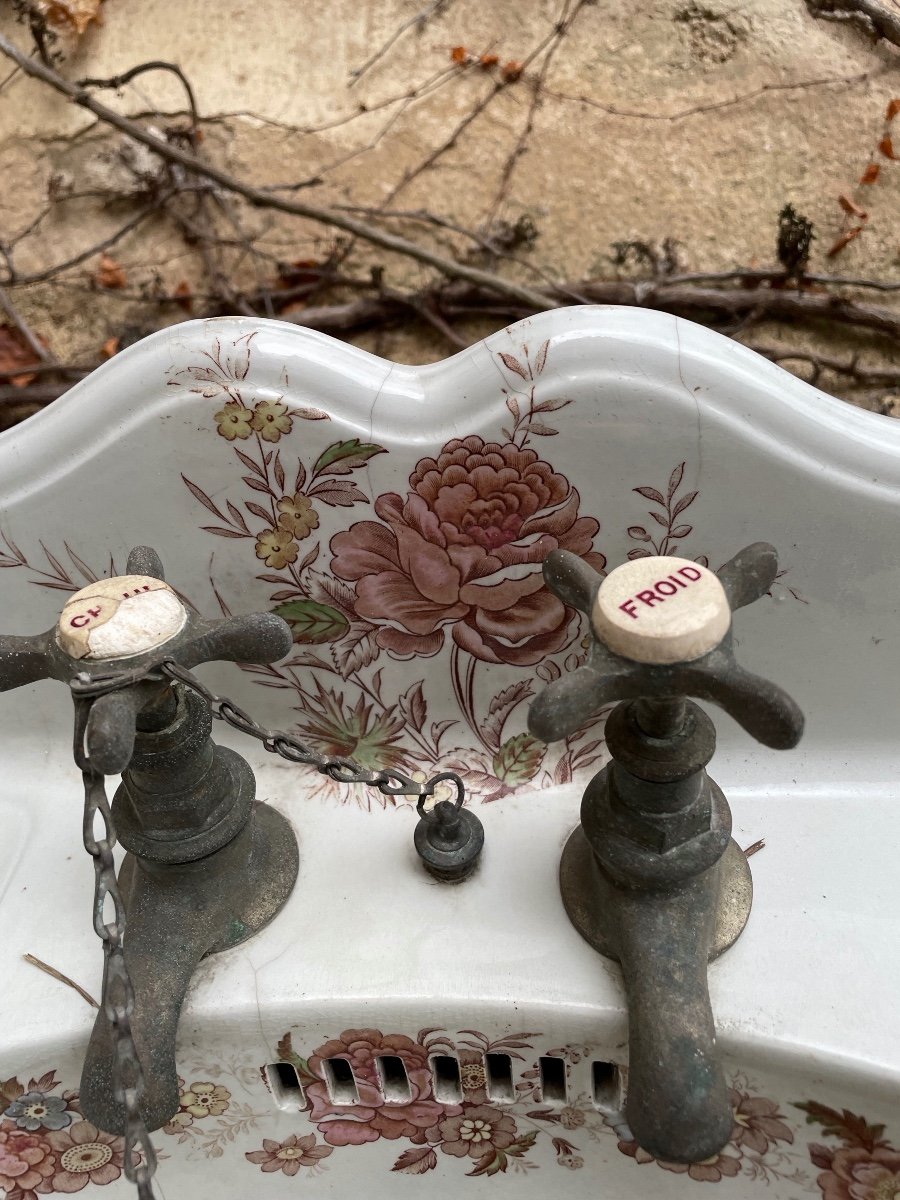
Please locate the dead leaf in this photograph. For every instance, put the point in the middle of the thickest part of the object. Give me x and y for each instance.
(184, 296)
(110, 347)
(852, 209)
(459, 55)
(302, 270)
(111, 273)
(73, 16)
(15, 353)
(511, 71)
(416, 1161)
(886, 146)
(871, 173)
(892, 109)
(844, 240)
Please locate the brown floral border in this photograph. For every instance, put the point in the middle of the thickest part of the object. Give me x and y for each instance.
(47, 1146)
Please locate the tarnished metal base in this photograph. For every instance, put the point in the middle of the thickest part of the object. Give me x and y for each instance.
(265, 902)
(590, 899)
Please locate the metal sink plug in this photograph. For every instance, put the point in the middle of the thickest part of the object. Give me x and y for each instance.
(651, 877)
(208, 865)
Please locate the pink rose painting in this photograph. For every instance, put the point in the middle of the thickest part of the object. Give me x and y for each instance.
(864, 1167)
(373, 556)
(373, 1118)
(463, 552)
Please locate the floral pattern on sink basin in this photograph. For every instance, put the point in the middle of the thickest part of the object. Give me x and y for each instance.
(47, 1146)
(450, 571)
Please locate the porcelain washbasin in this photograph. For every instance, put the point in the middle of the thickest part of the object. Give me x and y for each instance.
(485, 1040)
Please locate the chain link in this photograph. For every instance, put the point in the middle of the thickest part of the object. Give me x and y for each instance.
(118, 992)
(342, 770)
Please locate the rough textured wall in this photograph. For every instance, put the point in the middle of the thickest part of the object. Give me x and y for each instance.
(672, 119)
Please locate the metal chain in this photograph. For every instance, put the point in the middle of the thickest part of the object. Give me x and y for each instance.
(342, 770)
(118, 992)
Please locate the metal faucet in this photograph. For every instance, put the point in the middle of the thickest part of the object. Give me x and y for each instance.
(651, 877)
(208, 865)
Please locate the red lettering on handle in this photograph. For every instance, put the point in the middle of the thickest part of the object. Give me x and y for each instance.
(82, 619)
(661, 591)
(649, 598)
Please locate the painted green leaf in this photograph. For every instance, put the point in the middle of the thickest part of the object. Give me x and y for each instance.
(313, 623)
(519, 759)
(490, 1163)
(286, 1053)
(522, 1144)
(340, 458)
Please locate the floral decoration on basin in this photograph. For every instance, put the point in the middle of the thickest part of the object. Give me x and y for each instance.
(436, 579)
(449, 568)
(453, 567)
(47, 1146)
(864, 1167)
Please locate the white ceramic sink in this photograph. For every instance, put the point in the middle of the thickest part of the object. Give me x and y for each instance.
(371, 958)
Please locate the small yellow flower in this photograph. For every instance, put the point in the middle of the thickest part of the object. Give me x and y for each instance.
(234, 421)
(271, 420)
(277, 548)
(571, 1118)
(205, 1100)
(473, 1077)
(179, 1122)
(297, 515)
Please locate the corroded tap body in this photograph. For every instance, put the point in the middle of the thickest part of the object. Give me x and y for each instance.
(651, 877)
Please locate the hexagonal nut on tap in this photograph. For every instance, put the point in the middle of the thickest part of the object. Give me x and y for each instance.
(661, 831)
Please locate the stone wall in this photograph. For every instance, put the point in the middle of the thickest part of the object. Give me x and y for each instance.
(671, 119)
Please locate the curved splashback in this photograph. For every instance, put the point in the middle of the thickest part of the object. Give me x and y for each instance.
(397, 516)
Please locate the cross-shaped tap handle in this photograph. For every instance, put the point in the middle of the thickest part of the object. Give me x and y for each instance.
(661, 627)
(129, 622)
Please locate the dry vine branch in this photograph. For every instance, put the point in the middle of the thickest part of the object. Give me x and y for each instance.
(546, 46)
(561, 28)
(419, 20)
(461, 300)
(31, 339)
(851, 369)
(873, 17)
(201, 201)
(258, 197)
(119, 81)
(97, 248)
(682, 114)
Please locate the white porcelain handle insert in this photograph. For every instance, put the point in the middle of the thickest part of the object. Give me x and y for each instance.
(120, 617)
(661, 610)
